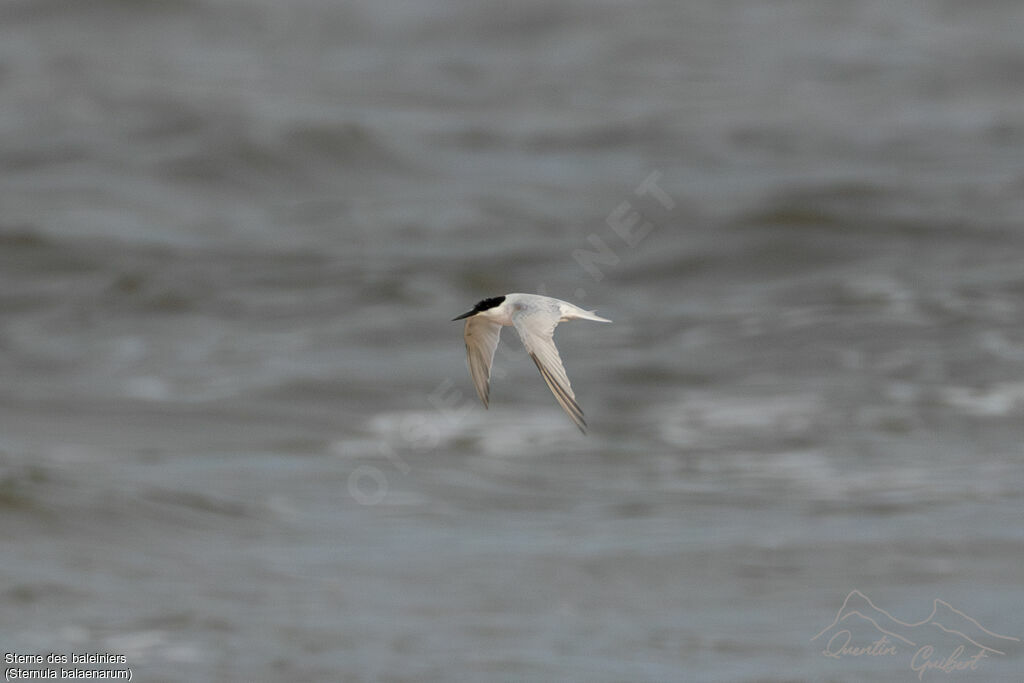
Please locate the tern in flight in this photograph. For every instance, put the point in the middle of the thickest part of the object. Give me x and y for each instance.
(534, 318)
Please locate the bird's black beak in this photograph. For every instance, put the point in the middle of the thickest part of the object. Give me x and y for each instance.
(464, 315)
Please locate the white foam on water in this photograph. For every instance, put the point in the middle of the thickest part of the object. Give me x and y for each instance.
(886, 291)
(706, 419)
(823, 476)
(995, 400)
(150, 645)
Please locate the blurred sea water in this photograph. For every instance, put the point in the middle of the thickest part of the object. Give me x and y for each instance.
(238, 441)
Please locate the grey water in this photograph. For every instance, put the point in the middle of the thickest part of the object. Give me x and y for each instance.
(238, 440)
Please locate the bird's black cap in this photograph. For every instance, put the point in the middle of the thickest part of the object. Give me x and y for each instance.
(482, 306)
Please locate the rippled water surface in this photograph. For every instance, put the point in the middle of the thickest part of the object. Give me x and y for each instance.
(237, 437)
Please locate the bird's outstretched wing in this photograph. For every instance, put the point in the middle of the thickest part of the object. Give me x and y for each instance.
(481, 341)
(536, 328)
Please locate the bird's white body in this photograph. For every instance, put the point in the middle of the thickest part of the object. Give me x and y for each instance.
(517, 302)
(535, 318)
